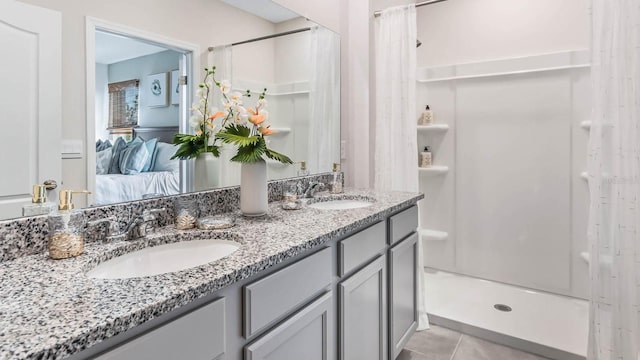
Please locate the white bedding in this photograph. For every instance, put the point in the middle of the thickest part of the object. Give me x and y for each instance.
(115, 188)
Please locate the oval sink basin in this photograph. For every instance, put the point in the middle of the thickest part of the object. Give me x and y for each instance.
(340, 204)
(164, 259)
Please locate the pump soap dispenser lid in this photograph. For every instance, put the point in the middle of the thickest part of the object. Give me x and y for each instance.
(66, 198)
(39, 195)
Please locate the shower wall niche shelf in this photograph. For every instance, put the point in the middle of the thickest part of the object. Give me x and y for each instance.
(433, 127)
(281, 130)
(434, 170)
(604, 259)
(586, 125)
(433, 235)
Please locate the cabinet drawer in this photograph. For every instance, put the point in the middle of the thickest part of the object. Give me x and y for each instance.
(198, 335)
(403, 224)
(308, 335)
(358, 248)
(269, 300)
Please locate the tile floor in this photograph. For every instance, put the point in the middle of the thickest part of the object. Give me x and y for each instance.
(439, 343)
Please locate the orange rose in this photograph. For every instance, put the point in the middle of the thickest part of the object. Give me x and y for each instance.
(265, 131)
(256, 119)
(216, 115)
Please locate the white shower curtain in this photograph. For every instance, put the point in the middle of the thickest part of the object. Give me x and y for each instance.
(222, 58)
(396, 144)
(614, 181)
(324, 100)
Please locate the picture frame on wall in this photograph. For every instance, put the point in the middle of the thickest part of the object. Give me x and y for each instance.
(175, 88)
(157, 90)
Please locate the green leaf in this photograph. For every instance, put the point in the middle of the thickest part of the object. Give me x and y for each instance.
(274, 155)
(250, 153)
(237, 135)
(214, 149)
(190, 146)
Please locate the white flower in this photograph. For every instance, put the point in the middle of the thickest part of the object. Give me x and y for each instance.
(225, 86)
(236, 98)
(265, 113)
(200, 92)
(262, 103)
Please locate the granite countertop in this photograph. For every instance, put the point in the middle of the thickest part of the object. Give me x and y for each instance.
(50, 309)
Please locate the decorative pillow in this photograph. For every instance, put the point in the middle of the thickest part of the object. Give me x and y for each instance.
(163, 160)
(103, 158)
(118, 146)
(102, 145)
(151, 146)
(134, 158)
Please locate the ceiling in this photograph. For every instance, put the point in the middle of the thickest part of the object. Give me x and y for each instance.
(112, 48)
(265, 9)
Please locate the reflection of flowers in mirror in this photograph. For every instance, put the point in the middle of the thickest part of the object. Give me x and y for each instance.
(202, 120)
(234, 124)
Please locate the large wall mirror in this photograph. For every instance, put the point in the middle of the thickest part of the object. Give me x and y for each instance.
(141, 82)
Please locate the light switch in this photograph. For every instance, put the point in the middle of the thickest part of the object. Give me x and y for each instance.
(72, 149)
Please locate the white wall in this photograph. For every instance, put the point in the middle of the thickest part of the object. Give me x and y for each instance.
(462, 31)
(203, 22)
(140, 68)
(102, 101)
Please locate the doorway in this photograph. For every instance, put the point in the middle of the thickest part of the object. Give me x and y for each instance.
(152, 71)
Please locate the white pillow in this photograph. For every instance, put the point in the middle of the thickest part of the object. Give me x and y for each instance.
(163, 158)
(103, 158)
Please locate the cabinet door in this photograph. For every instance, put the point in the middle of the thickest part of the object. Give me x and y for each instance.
(403, 283)
(306, 335)
(363, 313)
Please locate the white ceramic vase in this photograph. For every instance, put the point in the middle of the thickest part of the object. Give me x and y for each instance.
(206, 170)
(253, 188)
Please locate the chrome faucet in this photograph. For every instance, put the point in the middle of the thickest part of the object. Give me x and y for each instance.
(312, 189)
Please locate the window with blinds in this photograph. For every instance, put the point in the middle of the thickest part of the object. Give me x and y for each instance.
(123, 103)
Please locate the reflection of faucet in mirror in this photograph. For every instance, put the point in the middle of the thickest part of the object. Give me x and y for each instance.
(312, 189)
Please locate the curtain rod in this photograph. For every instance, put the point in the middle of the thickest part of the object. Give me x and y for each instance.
(270, 36)
(430, 2)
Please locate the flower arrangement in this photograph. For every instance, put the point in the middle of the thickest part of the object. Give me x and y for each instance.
(202, 120)
(244, 127)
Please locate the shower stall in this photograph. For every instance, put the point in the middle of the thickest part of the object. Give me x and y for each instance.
(504, 218)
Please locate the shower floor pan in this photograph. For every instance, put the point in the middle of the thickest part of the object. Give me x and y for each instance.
(549, 325)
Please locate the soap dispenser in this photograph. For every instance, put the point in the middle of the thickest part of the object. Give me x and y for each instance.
(426, 157)
(426, 118)
(39, 204)
(337, 183)
(303, 169)
(67, 228)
